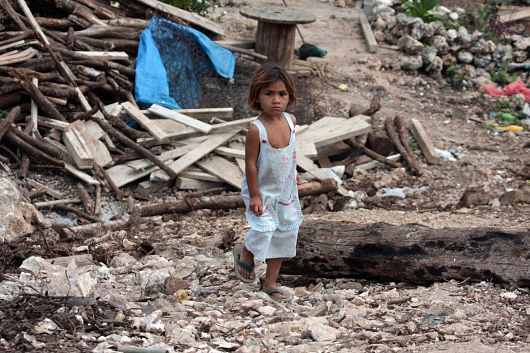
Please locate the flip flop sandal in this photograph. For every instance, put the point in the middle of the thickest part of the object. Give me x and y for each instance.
(271, 291)
(237, 253)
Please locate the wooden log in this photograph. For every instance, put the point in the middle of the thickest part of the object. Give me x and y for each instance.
(5, 124)
(106, 31)
(53, 23)
(10, 99)
(13, 14)
(373, 154)
(103, 173)
(226, 201)
(38, 144)
(75, 211)
(404, 138)
(37, 154)
(37, 193)
(389, 126)
(42, 102)
(85, 198)
(24, 161)
(411, 253)
(131, 144)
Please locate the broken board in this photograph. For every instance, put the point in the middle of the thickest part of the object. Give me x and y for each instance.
(225, 170)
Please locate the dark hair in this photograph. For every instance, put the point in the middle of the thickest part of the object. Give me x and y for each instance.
(265, 76)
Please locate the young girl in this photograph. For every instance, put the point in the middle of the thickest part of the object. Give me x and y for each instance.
(270, 182)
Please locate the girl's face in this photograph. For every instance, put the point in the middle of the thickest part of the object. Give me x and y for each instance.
(274, 98)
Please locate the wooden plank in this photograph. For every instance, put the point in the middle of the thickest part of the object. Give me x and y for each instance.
(200, 175)
(67, 157)
(122, 174)
(374, 164)
(189, 17)
(240, 43)
(225, 170)
(239, 146)
(334, 132)
(146, 123)
(331, 150)
(141, 164)
(77, 146)
(181, 118)
(367, 32)
(196, 154)
(424, 141)
(98, 150)
(35, 110)
(217, 128)
(81, 175)
(320, 174)
(53, 123)
(514, 16)
(105, 55)
(206, 114)
(230, 152)
(169, 126)
(194, 184)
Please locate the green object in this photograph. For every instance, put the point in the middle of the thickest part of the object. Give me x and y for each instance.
(421, 9)
(309, 50)
(507, 117)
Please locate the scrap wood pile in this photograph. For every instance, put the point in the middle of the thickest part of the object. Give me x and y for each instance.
(53, 73)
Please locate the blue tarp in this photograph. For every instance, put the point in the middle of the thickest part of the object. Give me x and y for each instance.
(168, 72)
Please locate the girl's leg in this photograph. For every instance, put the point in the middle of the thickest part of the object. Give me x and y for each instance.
(247, 258)
(273, 270)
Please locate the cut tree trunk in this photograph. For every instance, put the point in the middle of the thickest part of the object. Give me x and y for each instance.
(412, 253)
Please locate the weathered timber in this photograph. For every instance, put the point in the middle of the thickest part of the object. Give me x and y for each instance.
(226, 201)
(129, 143)
(85, 198)
(389, 126)
(10, 99)
(411, 253)
(75, 211)
(112, 184)
(373, 154)
(5, 124)
(38, 144)
(404, 138)
(37, 154)
(13, 14)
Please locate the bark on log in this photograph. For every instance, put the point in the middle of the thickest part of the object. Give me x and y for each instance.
(226, 201)
(37, 154)
(5, 124)
(13, 14)
(412, 253)
(389, 126)
(373, 154)
(85, 198)
(404, 137)
(38, 144)
(10, 99)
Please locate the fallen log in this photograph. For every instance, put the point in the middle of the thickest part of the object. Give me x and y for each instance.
(412, 253)
(226, 201)
(30, 150)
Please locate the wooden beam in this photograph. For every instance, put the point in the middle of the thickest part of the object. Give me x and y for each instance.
(222, 168)
(230, 152)
(105, 55)
(515, 16)
(189, 17)
(181, 118)
(81, 175)
(423, 140)
(368, 34)
(146, 123)
(193, 156)
(77, 146)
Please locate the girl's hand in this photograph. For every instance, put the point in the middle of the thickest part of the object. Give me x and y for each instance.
(256, 205)
(298, 179)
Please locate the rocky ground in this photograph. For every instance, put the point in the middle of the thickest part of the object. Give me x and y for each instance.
(169, 283)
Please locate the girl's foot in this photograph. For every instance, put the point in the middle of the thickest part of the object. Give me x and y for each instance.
(277, 294)
(245, 262)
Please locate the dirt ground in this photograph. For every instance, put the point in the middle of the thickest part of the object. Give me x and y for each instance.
(495, 322)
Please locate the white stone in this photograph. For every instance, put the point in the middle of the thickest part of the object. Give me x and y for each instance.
(267, 310)
(320, 333)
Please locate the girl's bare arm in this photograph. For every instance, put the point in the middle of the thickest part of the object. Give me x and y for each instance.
(251, 158)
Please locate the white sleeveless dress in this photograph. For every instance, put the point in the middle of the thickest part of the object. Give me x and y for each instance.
(274, 233)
